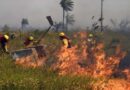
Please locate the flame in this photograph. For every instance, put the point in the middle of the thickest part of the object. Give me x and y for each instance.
(115, 84)
(29, 61)
(68, 61)
(78, 60)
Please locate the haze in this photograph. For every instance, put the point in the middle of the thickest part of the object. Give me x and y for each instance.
(12, 11)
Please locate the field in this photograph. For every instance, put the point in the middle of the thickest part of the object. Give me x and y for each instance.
(14, 77)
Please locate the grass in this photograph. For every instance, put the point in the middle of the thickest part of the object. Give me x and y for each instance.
(14, 77)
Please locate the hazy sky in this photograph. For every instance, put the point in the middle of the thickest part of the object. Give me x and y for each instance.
(12, 11)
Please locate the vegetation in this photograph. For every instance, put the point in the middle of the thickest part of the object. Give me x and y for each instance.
(24, 23)
(67, 5)
(14, 77)
(69, 20)
(17, 78)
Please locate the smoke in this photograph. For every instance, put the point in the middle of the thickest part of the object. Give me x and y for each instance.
(123, 25)
(12, 11)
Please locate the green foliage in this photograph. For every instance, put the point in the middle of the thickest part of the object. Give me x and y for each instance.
(67, 5)
(17, 78)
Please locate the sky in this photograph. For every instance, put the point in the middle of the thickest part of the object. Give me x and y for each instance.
(12, 11)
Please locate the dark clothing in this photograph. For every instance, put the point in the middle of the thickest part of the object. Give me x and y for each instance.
(12, 36)
(27, 42)
(2, 39)
(3, 42)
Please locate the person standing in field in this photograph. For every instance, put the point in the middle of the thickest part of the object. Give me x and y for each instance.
(65, 40)
(4, 42)
(29, 41)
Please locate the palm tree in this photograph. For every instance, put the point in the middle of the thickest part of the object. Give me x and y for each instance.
(69, 20)
(24, 23)
(67, 5)
(57, 26)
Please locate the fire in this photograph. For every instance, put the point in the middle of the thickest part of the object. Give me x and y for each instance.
(29, 61)
(68, 61)
(78, 60)
(127, 73)
(36, 59)
(81, 59)
(115, 84)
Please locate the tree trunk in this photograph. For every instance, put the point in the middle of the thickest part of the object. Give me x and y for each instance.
(63, 18)
(101, 15)
(67, 22)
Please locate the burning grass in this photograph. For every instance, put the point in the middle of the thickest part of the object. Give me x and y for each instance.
(80, 61)
(112, 84)
(30, 62)
(73, 67)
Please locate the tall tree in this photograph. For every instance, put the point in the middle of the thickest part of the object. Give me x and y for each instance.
(101, 19)
(57, 26)
(69, 20)
(67, 5)
(24, 23)
(124, 25)
(6, 29)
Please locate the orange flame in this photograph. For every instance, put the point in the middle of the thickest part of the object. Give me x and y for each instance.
(78, 60)
(30, 62)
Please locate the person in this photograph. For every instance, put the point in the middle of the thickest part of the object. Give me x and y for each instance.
(65, 40)
(12, 36)
(29, 41)
(91, 40)
(91, 45)
(4, 41)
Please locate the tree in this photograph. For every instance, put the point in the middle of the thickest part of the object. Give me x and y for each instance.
(114, 24)
(69, 20)
(24, 23)
(101, 19)
(67, 5)
(6, 29)
(57, 26)
(124, 25)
